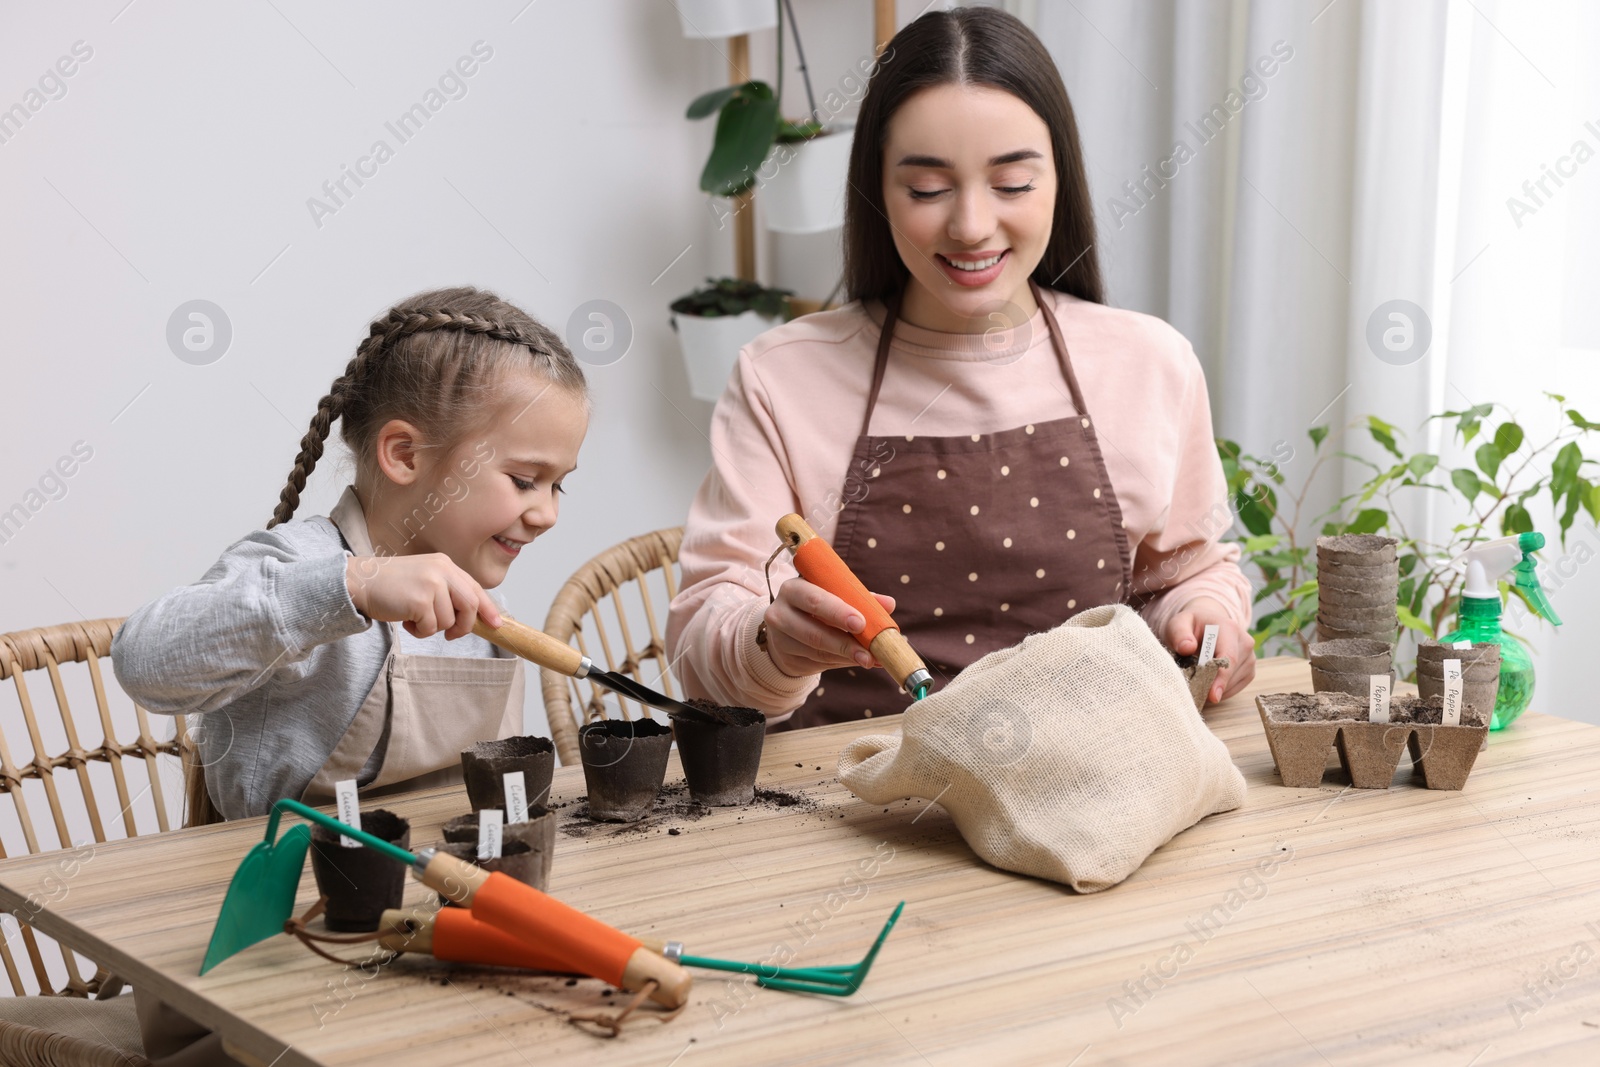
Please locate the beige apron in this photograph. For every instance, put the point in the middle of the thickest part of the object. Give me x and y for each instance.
(422, 711)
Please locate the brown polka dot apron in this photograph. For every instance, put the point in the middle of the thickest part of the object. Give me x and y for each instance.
(982, 539)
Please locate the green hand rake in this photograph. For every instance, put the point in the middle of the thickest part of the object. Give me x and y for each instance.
(833, 981)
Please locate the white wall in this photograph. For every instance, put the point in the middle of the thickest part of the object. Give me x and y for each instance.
(178, 165)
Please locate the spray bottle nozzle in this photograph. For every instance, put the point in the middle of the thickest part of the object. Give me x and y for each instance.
(1510, 557)
(1526, 579)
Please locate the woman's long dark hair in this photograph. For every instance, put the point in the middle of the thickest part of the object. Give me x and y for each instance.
(967, 46)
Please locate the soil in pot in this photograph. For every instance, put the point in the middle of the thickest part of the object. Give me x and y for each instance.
(720, 759)
(516, 859)
(1301, 727)
(1200, 678)
(359, 883)
(485, 765)
(1476, 693)
(538, 833)
(624, 766)
(1314, 707)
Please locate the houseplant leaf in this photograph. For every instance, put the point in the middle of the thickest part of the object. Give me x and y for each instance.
(745, 131)
(708, 103)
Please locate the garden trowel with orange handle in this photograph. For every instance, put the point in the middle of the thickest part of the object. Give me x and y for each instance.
(820, 565)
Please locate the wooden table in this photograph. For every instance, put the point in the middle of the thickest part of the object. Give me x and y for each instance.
(1397, 926)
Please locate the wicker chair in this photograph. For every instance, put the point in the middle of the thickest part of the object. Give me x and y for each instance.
(97, 1026)
(615, 582)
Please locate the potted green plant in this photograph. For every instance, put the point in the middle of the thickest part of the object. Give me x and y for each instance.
(717, 320)
(800, 166)
(1508, 471)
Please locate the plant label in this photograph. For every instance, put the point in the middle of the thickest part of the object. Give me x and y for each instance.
(1462, 646)
(1378, 698)
(1452, 692)
(516, 797)
(1208, 644)
(489, 846)
(349, 808)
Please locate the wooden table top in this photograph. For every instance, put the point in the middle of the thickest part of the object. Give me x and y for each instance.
(1404, 925)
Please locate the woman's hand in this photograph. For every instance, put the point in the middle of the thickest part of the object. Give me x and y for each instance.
(428, 593)
(809, 630)
(1188, 629)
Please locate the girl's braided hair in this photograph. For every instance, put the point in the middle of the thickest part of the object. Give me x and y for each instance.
(436, 360)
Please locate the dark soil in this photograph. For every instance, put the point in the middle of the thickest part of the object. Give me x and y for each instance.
(726, 714)
(673, 808)
(1315, 707)
(1341, 707)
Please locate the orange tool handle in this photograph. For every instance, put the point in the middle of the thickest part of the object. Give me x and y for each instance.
(453, 935)
(820, 565)
(566, 936)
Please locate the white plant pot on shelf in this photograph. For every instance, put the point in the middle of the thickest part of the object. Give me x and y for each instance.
(805, 190)
(708, 19)
(711, 346)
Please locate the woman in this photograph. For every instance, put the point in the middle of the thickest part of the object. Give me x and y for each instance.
(977, 434)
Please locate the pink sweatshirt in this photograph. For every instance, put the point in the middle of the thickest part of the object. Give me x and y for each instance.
(784, 431)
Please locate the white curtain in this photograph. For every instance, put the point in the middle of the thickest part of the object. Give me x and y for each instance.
(1356, 152)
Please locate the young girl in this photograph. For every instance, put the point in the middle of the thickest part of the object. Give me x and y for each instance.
(464, 414)
(977, 432)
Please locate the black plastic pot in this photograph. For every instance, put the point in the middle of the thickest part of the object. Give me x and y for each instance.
(485, 764)
(360, 884)
(720, 760)
(624, 764)
(538, 833)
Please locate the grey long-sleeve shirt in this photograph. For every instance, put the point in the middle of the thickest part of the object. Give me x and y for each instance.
(270, 648)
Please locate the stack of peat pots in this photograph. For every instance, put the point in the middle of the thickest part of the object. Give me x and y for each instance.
(1480, 674)
(1358, 588)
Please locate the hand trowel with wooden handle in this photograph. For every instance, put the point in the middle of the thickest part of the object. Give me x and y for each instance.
(539, 647)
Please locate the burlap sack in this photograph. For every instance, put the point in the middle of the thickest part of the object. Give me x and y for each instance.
(1071, 756)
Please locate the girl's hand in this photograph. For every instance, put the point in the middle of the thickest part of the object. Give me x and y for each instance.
(428, 593)
(808, 630)
(1188, 629)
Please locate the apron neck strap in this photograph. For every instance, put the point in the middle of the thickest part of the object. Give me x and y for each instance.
(350, 519)
(880, 364)
(886, 336)
(1060, 344)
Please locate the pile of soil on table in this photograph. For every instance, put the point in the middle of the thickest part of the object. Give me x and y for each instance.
(673, 808)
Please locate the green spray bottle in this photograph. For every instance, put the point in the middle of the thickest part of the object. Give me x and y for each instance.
(1478, 619)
